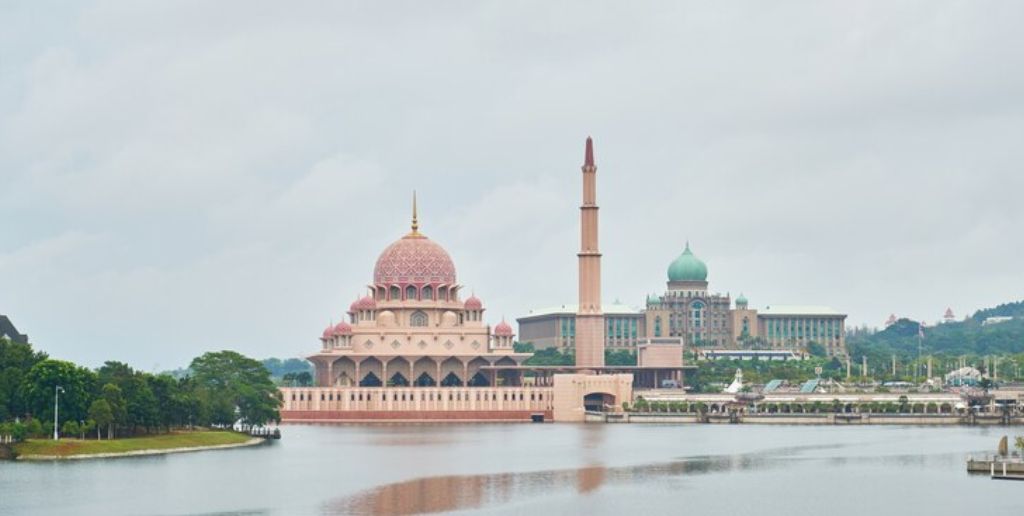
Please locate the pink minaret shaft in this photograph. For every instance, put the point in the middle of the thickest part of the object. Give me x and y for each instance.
(589, 318)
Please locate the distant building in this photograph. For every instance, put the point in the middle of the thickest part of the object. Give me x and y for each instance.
(556, 327)
(963, 376)
(747, 354)
(702, 319)
(795, 327)
(707, 321)
(7, 330)
(995, 320)
(890, 321)
(948, 317)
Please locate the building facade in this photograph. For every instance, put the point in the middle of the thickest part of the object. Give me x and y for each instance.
(709, 321)
(412, 328)
(556, 327)
(702, 319)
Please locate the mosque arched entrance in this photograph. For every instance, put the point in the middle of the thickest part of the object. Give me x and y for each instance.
(598, 402)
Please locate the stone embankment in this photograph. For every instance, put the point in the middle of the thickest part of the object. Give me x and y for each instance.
(799, 419)
(255, 441)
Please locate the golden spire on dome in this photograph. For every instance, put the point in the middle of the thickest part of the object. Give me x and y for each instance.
(415, 221)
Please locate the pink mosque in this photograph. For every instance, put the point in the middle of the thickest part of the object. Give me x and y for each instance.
(413, 329)
(413, 350)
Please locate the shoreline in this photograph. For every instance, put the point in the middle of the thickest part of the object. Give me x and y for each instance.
(255, 441)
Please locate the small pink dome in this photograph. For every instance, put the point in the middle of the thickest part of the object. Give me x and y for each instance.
(503, 329)
(328, 333)
(474, 303)
(364, 303)
(343, 328)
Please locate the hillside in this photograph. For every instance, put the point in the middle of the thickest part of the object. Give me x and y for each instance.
(968, 337)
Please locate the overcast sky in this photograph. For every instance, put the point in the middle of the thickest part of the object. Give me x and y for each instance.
(176, 178)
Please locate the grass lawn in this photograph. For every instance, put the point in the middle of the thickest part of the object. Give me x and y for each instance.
(67, 447)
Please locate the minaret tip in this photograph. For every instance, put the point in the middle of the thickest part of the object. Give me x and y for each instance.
(588, 158)
(415, 221)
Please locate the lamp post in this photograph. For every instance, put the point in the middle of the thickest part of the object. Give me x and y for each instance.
(56, 392)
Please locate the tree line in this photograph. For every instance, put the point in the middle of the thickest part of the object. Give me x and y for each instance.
(220, 389)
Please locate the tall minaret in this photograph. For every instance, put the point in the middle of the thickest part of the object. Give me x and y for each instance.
(589, 318)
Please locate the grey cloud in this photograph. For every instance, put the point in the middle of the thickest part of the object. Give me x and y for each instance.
(177, 178)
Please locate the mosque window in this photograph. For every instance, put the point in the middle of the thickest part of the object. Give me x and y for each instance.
(418, 319)
(442, 293)
(428, 293)
(657, 326)
(395, 293)
(410, 292)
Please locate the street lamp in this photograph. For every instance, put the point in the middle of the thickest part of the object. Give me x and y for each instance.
(56, 392)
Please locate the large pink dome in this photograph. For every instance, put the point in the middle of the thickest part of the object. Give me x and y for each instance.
(414, 259)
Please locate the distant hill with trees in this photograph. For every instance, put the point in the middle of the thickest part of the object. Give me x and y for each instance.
(970, 337)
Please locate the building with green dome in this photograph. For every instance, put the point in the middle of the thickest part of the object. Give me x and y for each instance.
(687, 309)
(703, 320)
(710, 321)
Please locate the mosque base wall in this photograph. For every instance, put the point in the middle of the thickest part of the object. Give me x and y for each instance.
(406, 416)
(398, 404)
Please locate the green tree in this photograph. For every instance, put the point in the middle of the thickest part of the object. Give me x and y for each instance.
(138, 406)
(33, 428)
(69, 428)
(101, 413)
(236, 387)
(44, 376)
(15, 360)
(816, 349)
(118, 412)
(619, 357)
(304, 379)
(87, 427)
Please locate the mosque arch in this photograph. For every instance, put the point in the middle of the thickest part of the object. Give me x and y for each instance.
(449, 366)
(418, 319)
(399, 365)
(442, 293)
(395, 293)
(410, 293)
(370, 380)
(344, 372)
(371, 366)
(425, 366)
(478, 380)
(473, 371)
(451, 380)
(398, 380)
(598, 401)
(427, 293)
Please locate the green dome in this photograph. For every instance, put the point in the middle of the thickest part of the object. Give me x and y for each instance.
(742, 300)
(653, 299)
(687, 268)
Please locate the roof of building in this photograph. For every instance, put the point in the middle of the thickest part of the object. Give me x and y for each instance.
(8, 330)
(687, 267)
(799, 310)
(772, 385)
(809, 386)
(573, 308)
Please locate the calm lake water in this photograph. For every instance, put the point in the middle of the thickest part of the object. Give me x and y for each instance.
(538, 469)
